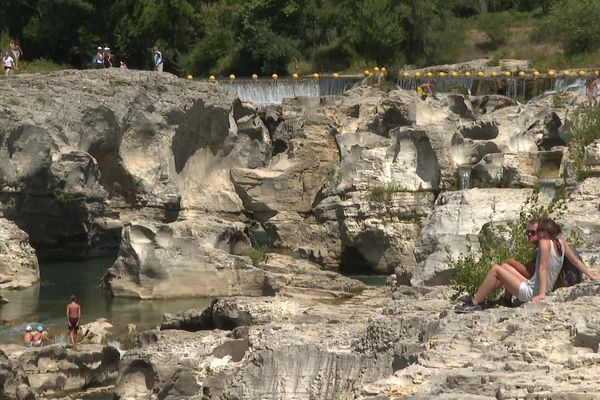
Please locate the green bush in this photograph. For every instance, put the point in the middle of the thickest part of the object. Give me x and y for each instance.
(575, 23)
(495, 26)
(581, 131)
(39, 66)
(470, 268)
(383, 193)
(257, 254)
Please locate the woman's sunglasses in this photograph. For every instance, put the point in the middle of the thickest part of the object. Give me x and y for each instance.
(531, 232)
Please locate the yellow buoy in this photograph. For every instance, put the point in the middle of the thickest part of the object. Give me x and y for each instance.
(429, 74)
(405, 75)
(254, 76)
(522, 73)
(480, 74)
(551, 73)
(189, 77)
(566, 72)
(336, 75)
(597, 72)
(232, 76)
(507, 74)
(582, 73)
(468, 74)
(295, 75)
(536, 73)
(417, 74)
(316, 75)
(442, 74)
(275, 76)
(367, 72)
(376, 69)
(493, 74)
(383, 70)
(212, 78)
(454, 74)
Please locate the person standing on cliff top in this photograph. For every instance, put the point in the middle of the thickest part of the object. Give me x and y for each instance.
(8, 63)
(591, 91)
(17, 52)
(73, 318)
(157, 58)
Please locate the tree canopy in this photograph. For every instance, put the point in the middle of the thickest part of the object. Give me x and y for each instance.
(266, 36)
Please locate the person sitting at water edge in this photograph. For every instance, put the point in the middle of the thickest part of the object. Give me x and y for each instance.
(73, 318)
(39, 337)
(548, 264)
(28, 336)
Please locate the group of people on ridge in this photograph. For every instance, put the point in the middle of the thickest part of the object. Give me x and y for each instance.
(40, 337)
(531, 282)
(103, 59)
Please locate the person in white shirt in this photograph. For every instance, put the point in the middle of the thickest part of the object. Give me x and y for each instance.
(8, 63)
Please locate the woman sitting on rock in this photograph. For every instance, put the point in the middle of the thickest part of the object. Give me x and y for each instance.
(548, 264)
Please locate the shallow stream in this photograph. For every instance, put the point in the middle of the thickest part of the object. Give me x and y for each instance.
(46, 302)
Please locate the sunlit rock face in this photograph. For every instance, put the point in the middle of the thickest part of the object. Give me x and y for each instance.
(18, 262)
(353, 183)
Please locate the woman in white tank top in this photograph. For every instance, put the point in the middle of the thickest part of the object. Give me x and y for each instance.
(552, 251)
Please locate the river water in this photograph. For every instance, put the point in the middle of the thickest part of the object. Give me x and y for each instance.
(46, 302)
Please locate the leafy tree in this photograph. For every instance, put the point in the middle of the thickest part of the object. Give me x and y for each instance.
(575, 22)
(140, 25)
(376, 28)
(59, 30)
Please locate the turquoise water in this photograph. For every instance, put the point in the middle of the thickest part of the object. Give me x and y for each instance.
(46, 302)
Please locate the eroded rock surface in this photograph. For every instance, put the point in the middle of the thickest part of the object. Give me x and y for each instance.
(18, 262)
(53, 370)
(413, 346)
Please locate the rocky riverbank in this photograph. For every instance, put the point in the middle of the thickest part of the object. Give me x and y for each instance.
(189, 185)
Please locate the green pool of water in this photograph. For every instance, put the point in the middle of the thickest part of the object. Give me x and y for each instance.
(46, 302)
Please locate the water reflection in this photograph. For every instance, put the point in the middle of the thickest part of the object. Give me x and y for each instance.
(46, 303)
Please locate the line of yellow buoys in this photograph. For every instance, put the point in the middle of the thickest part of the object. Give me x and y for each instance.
(381, 71)
(552, 73)
(316, 75)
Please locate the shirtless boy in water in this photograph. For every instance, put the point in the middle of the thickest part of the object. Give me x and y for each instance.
(73, 317)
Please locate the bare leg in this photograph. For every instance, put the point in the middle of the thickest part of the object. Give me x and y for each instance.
(497, 276)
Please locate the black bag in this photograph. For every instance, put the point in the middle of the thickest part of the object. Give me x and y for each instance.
(569, 275)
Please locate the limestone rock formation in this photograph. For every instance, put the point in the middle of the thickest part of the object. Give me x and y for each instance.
(18, 261)
(13, 380)
(184, 259)
(272, 347)
(53, 370)
(413, 346)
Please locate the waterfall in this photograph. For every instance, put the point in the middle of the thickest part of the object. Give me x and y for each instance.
(116, 345)
(566, 84)
(265, 92)
(464, 177)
